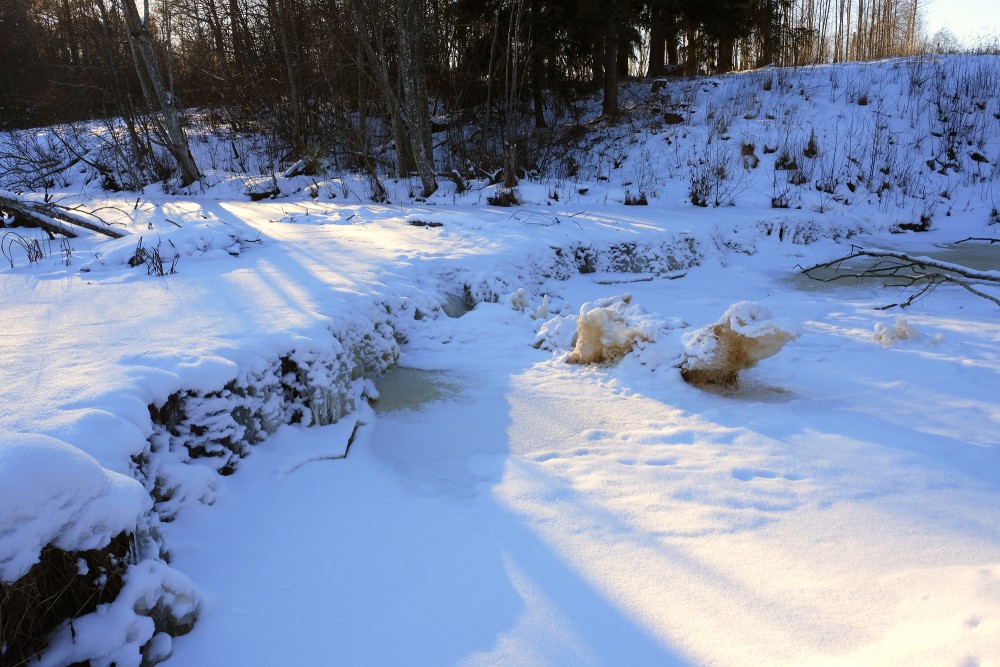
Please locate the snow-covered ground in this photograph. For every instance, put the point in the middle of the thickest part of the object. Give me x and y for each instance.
(499, 505)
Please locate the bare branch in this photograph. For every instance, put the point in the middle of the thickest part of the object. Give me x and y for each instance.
(981, 239)
(897, 269)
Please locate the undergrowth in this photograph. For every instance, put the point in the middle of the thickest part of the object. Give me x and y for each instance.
(62, 586)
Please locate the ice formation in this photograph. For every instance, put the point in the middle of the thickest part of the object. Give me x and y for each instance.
(901, 329)
(607, 330)
(745, 334)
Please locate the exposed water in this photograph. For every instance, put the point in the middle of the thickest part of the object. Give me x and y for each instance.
(411, 389)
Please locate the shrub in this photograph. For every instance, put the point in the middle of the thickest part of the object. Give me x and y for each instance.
(153, 260)
(505, 197)
(812, 149)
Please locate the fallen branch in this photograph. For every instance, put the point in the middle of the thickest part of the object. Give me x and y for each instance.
(52, 217)
(981, 239)
(897, 269)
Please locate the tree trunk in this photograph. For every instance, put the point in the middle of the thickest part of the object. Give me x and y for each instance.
(537, 72)
(51, 217)
(376, 51)
(673, 57)
(623, 57)
(610, 103)
(726, 49)
(415, 102)
(691, 50)
(288, 45)
(157, 96)
(72, 43)
(657, 41)
(768, 39)
(537, 97)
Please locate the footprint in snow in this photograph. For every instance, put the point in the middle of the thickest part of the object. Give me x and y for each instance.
(748, 474)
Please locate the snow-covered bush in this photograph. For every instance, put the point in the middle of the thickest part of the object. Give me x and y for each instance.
(196, 241)
(744, 335)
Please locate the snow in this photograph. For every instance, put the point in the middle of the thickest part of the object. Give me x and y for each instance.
(745, 334)
(55, 494)
(117, 631)
(838, 505)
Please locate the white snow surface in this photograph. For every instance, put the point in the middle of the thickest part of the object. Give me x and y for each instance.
(499, 506)
(55, 494)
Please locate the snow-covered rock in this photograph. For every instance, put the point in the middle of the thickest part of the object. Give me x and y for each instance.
(156, 603)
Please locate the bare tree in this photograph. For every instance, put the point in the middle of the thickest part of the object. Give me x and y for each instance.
(409, 19)
(158, 97)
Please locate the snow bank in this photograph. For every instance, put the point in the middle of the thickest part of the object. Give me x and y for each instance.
(54, 494)
(156, 602)
(744, 335)
(313, 384)
(213, 239)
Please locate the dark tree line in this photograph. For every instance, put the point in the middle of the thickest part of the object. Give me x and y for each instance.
(316, 72)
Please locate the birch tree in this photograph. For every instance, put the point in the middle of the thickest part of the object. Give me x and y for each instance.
(416, 106)
(158, 97)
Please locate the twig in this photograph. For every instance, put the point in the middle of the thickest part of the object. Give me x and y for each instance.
(983, 239)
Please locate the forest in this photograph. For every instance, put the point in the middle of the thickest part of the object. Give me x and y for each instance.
(339, 80)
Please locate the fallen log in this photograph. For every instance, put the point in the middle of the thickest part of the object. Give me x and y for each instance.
(52, 217)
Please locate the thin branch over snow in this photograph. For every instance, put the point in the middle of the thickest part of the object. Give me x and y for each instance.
(898, 269)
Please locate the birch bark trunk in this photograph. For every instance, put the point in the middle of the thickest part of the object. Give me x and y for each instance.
(157, 95)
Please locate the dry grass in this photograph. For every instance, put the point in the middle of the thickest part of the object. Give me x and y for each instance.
(53, 591)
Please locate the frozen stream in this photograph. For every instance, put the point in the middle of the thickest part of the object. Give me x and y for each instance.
(502, 507)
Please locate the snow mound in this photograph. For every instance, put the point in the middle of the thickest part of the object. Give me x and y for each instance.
(200, 241)
(55, 494)
(556, 333)
(901, 329)
(744, 335)
(608, 329)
